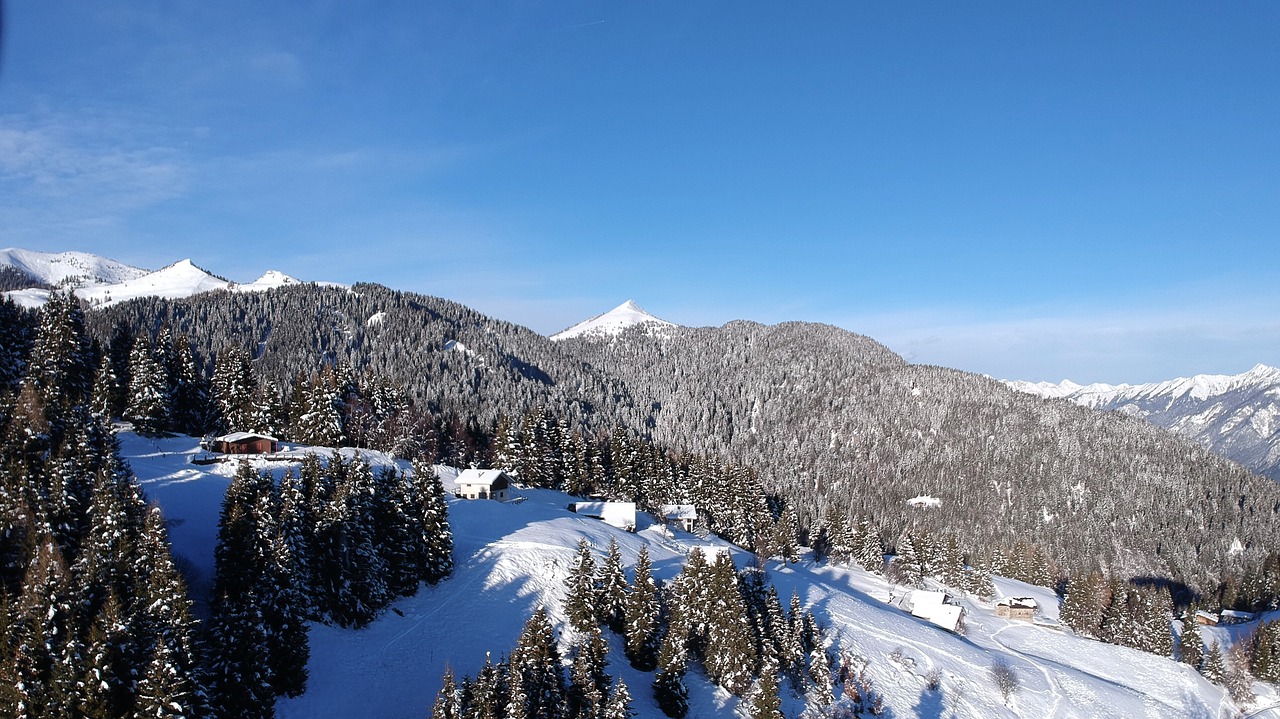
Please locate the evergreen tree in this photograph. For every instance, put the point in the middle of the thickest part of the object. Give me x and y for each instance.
(437, 539)
(643, 610)
(448, 703)
(241, 660)
(763, 701)
(1214, 666)
(870, 551)
(536, 680)
(670, 693)
(588, 691)
(1190, 645)
(580, 590)
(350, 572)
(612, 585)
(730, 655)
(149, 403)
(619, 706)
(171, 685)
(234, 386)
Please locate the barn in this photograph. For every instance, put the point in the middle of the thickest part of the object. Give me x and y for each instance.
(244, 443)
(617, 514)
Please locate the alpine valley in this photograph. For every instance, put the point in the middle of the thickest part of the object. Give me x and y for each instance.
(818, 528)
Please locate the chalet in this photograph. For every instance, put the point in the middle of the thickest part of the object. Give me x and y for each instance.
(1023, 608)
(684, 516)
(1206, 618)
(244, 443)
(936, 608)
(1230, 616)
(617, 514)
(483, 484)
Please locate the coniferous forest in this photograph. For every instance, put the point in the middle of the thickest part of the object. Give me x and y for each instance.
(784, 436)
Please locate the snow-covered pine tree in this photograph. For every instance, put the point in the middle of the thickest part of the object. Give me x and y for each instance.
(587, 694)
(437, 538)
(233, 388)
(643, 614)
(870, 552)
(612, 583)
(448, 704)
(171, 685)
(619, 706)
(149, 405)
(762, 701)
(240, 636)
(580, 590)
(1214, 666)
(350, 572)
(536, 679)
(670, 692)
(730, 652)
(38, 634)
(1190, 645)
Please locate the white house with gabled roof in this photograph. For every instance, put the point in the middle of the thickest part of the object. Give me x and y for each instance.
(483, 484)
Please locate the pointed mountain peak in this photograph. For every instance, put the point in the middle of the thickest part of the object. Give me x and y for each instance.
(613, 322)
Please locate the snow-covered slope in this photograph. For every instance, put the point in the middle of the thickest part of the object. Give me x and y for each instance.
(1237, 416)
(268, 281)
(512, 558)
(181, 279)
(73, 269)
(103, 282)
(627, 314)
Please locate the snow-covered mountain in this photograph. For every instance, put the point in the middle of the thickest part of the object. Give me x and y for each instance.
(1237, 416)
(68, 269)
(103, 282)
(613, 322)
(510, 558)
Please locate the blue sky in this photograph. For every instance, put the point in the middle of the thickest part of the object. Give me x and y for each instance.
(1027, 190)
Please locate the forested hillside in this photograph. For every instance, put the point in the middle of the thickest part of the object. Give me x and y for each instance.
(827, 418)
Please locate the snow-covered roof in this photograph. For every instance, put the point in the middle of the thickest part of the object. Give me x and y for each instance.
(1233, 614)
(242, 436)
(479, 476)
(679, 511)
(1019, 602)
(617, 514)
(933, 606)
(924, 602)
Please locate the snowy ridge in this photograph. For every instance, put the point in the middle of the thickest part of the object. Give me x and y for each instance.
(270, 280)
(613, 322)
(74, 269)
(512, 558)
(102, 282)
(1237, 416)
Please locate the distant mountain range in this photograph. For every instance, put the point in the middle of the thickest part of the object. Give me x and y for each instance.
(30, 277)
(1237, 416)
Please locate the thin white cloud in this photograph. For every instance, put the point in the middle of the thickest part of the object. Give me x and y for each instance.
(62, 175)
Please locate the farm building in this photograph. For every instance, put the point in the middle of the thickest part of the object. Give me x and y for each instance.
(1023, 608)
(936, 608)
(244, 443)
(617, 514)
(483, 484)
(684, 516)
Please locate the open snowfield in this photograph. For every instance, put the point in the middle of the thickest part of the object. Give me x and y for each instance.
(511, 558)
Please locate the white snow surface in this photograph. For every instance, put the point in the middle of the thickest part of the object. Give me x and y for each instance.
(103, 282)
(270, 280)
(512, 558)
(613, 322)
(69, 268)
